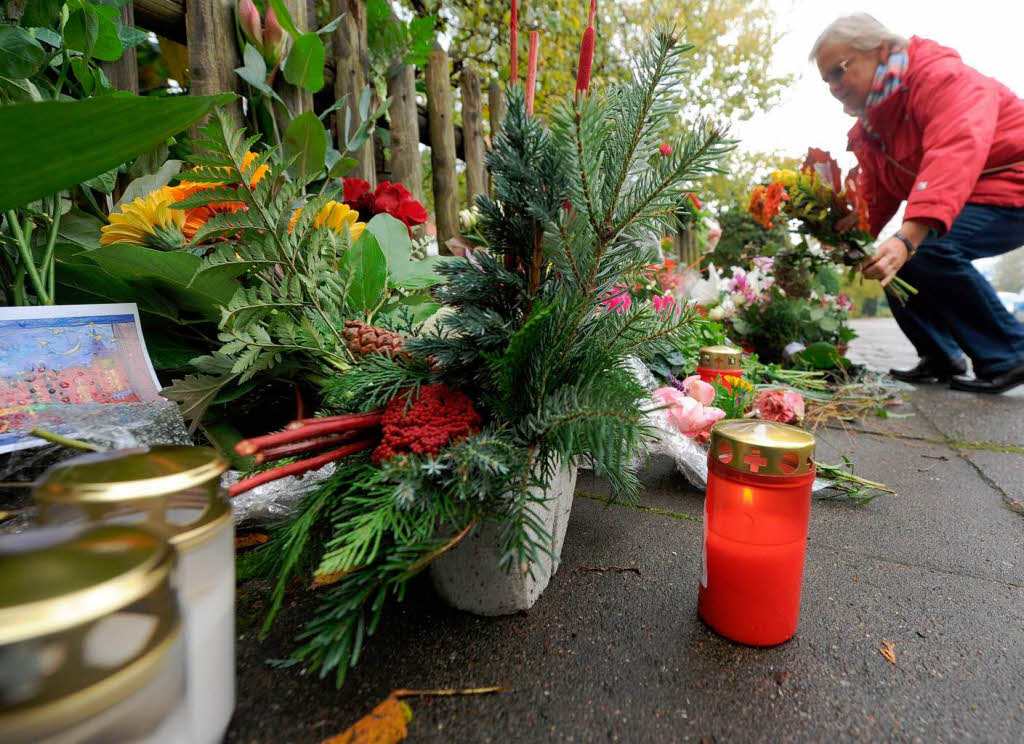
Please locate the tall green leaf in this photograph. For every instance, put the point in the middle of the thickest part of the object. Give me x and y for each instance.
(72, 141)
(20, 54)
(306, 138)
(369, 272)
(305, 63)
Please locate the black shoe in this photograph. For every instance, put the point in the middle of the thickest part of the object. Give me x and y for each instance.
(931, 370)
(995, 384)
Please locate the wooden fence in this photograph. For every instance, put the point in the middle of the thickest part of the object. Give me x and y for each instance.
(207, 28)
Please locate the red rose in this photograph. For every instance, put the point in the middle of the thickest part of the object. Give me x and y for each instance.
(353, 189)
(388, 196)
(665, 149)
(411, 212)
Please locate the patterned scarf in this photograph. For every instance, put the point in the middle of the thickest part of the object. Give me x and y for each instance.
(888, 79)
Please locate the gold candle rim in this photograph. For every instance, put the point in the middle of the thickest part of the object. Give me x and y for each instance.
(142, 478)
(721, 357)
(756, 447)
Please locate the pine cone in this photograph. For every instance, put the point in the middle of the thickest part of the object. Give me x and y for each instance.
(363, 338)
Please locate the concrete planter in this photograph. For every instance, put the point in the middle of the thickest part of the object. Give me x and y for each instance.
(467, 577)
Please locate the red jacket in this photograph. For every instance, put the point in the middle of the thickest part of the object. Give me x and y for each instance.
(946, 125)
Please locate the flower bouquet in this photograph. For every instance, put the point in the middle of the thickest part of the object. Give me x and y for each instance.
(470, 426)
(826, 208)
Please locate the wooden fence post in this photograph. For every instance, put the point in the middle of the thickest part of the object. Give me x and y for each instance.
(213, 50)
(350, 48)
(496, 106)
(297, 98)
(124, 73)
(473, 136)
(406, 166)
(442, 147)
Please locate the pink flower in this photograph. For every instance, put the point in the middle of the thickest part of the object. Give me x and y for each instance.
(275, 40)
(617, 299)
(665, 149)
(249, 20)
(688, 415)
(696, 388)
(784, 406)
(664, 303)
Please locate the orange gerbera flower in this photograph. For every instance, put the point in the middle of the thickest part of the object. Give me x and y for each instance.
(765, 203)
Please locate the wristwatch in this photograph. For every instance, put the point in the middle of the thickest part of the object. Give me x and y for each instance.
(911, 249)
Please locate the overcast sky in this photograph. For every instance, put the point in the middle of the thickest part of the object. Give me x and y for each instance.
(988, 34)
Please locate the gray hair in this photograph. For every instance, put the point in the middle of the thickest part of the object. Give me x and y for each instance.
(861, 31)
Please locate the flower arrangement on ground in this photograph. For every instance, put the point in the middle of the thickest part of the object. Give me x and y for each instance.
(825, 207)
(523, 372)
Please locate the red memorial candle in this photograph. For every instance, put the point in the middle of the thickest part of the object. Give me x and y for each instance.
(756, 511)
(718, 363)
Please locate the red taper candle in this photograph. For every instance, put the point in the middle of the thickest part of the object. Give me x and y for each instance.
(513, 40)
(586, 54)
(531, 72)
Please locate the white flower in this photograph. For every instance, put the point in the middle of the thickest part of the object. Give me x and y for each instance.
(716, 313)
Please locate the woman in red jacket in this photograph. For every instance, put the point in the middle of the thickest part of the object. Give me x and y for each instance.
(949, 141)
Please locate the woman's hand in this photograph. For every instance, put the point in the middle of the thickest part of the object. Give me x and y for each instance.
(888, 259)
(892, 253)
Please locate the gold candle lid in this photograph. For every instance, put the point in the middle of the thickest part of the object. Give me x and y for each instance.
(54, 599)
(762, 447)
(150, 479)
(721, 357)
(95, 573)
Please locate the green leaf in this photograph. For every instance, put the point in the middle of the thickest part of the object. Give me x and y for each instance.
(329, 27)
(20, 54)
(195, 393)
(81, 229)
(176, 275)
(104, 182)
(254, 72)
(48, 36)
(821, 355)
(83, 74)
(40, 12)
(73, 141)
(368, 267)
(82, 30)
(305, 63)
(343, 167)
(306, 138)
(131, 37)
(80, 281)
(108, 45)
(150, 183)
(20, 91)
(393, 238)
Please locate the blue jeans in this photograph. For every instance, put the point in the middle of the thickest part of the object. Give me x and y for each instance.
(956, 308)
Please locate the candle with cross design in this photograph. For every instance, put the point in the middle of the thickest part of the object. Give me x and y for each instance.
(756, 512)
(719, 364)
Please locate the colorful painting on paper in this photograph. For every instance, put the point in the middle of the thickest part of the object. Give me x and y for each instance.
(68, 355)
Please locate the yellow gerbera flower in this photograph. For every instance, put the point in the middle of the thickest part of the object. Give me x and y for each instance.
(335, 215)
(148, 221)
(787, 178)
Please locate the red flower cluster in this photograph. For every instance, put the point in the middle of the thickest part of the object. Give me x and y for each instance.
(438, 416)
(389, 198)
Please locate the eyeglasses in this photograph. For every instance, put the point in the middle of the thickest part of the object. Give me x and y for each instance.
(834, 75)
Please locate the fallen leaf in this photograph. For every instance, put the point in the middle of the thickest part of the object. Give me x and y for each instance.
(250, 541)
(385, 724)
(887, 650)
